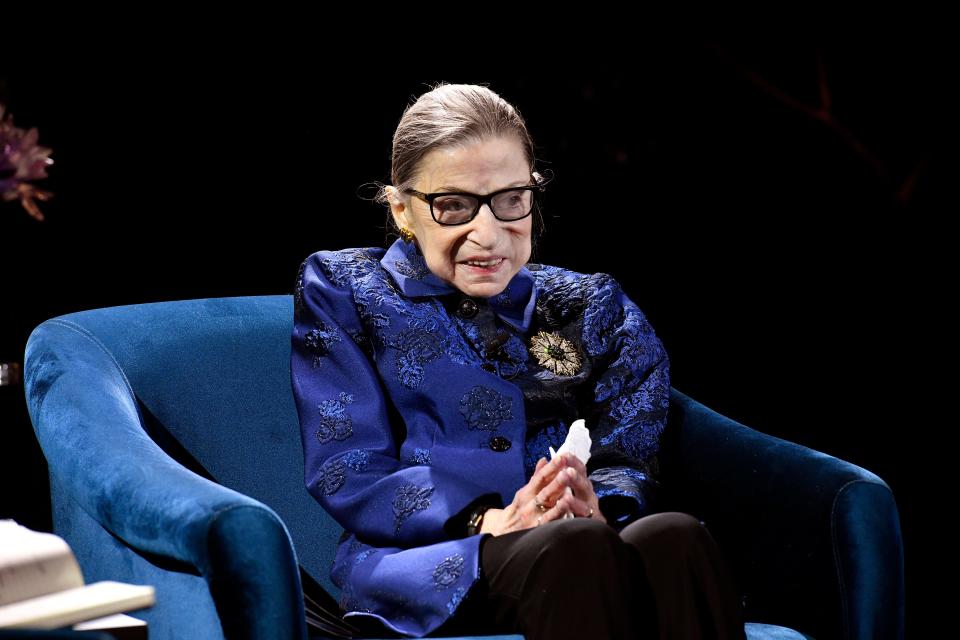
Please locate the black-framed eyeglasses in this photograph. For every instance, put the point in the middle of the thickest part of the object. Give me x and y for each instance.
(460, 207)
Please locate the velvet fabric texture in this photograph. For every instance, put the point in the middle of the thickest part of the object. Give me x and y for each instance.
(175, 459)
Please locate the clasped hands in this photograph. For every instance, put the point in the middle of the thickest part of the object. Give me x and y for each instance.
(548, 485)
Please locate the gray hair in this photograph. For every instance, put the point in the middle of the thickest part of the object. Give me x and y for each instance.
(451, 115)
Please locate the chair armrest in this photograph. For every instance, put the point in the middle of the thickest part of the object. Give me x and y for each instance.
(90, 428)
(814, 541)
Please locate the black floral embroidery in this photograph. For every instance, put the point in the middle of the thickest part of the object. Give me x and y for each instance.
(348, 265)
(484, 408)
(420, 456)
(459, 336)
(643, 349)
(538, 445)
(634, 391)
(335, 423)
(514, 360)
(358, 459)
(447, 571)
(602, 316)
(639, 417)
(359, 269)
(415, 268)
(362, 340)
(429, 331)
(503, 298)
(363, 555)
(378, 324)
(560, 296)
(455, 599)
(332, 476)
(298, 291)
(416, 349)
(319, 340)
(410, 498)
(454, 345)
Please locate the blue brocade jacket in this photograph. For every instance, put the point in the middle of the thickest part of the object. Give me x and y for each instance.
(417, 403)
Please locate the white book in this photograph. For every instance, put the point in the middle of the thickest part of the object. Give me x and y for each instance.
(41, 585)
(113, 622)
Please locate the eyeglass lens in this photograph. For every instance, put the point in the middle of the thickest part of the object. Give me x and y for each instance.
(509, 205)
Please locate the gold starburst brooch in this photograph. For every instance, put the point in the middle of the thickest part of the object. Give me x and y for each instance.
(556, 353)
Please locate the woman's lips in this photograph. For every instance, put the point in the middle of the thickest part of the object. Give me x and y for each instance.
(472, 268)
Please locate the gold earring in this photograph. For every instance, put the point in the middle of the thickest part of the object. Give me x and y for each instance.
(406, 234)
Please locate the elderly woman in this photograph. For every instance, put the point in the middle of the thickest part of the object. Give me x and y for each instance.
(431, 379)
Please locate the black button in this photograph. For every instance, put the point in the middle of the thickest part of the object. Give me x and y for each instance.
(468, 308)
(499, 443)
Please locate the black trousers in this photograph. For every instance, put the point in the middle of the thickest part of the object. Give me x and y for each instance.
(662, 576)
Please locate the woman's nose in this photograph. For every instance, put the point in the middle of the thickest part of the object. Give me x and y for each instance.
(484, 227)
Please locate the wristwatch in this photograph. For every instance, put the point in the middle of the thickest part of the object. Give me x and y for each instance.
(476, 520)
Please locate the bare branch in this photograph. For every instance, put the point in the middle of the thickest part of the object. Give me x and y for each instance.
(822, 113)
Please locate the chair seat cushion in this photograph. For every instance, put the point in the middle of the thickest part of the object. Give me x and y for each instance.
(757, 631)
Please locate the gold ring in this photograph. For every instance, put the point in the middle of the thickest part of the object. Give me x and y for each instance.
(542, 507)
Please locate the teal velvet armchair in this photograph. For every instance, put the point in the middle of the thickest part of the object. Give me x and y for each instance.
(175, 460)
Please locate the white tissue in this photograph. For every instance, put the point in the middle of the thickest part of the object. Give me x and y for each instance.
(578, 443)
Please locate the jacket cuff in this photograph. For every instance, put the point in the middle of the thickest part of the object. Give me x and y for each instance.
(623, 493)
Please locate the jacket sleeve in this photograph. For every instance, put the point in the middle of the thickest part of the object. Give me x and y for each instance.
(628, 411)
(349, 427)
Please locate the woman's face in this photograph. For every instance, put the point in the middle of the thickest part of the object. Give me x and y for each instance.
(479, 167)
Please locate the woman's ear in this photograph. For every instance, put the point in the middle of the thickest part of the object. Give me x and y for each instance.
(397, 207)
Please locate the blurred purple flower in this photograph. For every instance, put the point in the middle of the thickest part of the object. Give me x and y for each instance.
(21, 161)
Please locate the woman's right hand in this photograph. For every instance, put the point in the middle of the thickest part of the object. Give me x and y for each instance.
(522, 513)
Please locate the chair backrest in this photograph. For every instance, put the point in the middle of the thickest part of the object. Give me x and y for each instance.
(212, 377)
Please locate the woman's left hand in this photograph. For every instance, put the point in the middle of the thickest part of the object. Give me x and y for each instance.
(583, 500)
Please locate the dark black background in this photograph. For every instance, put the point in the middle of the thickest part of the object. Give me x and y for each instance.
(793, 264)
